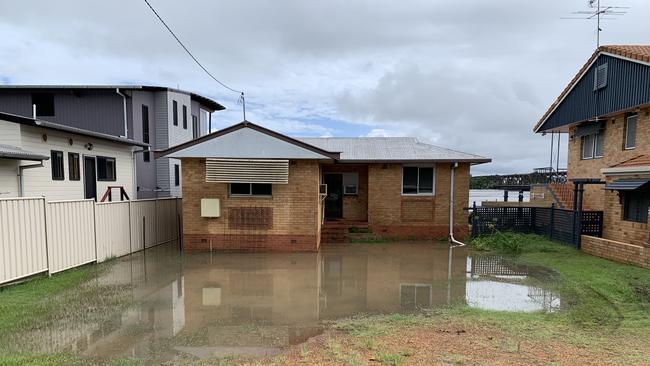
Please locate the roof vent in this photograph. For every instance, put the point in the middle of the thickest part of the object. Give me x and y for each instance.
(600, 79)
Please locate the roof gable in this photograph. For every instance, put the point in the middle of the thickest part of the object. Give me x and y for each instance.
(579, 102)
(247, 141)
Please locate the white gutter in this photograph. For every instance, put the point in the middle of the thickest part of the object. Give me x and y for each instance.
(451, 210)
(126, 128)
(21, 182)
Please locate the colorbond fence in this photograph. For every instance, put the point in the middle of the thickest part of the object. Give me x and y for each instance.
(38, 236)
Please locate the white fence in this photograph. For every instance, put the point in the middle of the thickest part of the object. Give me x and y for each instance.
(38, 236)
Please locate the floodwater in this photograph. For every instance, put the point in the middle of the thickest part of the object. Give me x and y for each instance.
(161, 306)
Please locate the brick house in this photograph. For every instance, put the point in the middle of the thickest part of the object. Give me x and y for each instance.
(605, 110)
(247, 188)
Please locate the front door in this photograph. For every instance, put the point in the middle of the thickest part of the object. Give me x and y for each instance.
(334, 199)
(90, 178)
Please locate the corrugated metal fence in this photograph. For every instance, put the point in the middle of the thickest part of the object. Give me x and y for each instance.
(38, 236)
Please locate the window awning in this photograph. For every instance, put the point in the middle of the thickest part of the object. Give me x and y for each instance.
(247, 171)
(627, 184)
(588, 129)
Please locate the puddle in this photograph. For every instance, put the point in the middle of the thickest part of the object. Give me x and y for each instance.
(160, 306)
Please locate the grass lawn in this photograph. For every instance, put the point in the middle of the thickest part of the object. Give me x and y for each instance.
(604, 319)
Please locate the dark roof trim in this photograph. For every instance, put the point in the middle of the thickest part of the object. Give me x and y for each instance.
(55, 126)
(402, 161)
(204, 100)
(247, 124)
(627, 184)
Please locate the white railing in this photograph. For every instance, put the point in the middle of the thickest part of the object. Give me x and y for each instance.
(38, 236)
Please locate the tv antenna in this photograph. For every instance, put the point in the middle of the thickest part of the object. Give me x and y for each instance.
(598, 12)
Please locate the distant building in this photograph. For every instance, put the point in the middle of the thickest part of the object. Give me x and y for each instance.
(605, 110)
(156, 116)
(247, 188)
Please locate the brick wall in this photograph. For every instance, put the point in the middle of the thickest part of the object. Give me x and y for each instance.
(295, 212)
(614, 227)
(614, 153)
(617, 251)
(355, 207)
(392, 214)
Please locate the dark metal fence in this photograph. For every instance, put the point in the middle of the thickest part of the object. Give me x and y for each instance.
(557, 224)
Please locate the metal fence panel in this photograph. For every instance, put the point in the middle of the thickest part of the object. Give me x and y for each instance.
(70, 234)
(166, 220)
(113, 232)
(23, 250)
(143, 224)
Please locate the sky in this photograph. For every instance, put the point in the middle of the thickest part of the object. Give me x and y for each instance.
(470, 75)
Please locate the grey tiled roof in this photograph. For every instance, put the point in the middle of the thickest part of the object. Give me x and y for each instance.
(13, 152)
(386, 149)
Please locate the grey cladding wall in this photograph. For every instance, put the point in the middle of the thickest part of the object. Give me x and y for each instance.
(628, 85)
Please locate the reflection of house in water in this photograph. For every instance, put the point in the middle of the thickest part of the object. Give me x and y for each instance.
(497, 284)
(246, 304)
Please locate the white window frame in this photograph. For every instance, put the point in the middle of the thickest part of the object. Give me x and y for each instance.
(592, 149)
(250, 190)
(433, 186)
(627, 130)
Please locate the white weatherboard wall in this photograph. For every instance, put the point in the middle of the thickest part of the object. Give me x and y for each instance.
(9, 177)
(38, 236)
(70, 234)
(38, 181)
(22, 238)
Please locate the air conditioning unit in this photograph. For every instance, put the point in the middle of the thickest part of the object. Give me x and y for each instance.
(210, 207)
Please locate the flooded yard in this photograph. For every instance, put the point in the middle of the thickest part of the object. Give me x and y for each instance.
(161, 306)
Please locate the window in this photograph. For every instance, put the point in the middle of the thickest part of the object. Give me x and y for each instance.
(106, 169)
(175, 112)
(350, 183)
(593, 146)
(635, 205)
(196, 131)
(251, 189)
(185, 117)
(630, 132)
(418, 180)
(145, 131)
(177, 175)
(44, 104)
(73, 166)
(56, 160)
(600, 77)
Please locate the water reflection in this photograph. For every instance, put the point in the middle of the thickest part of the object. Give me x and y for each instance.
(161, 306)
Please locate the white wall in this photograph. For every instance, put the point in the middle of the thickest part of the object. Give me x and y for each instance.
(38, 181)
(9, 178)
(177, 134)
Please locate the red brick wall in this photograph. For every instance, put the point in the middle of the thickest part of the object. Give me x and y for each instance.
(295, 212)
(617, 251)
(392, 214)
(614, 153)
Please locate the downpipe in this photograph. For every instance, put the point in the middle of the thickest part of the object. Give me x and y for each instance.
(452, 239)
(126, 126)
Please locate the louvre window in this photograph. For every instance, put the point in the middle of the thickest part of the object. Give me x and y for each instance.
(106, 169)
(56, 160)
(145, 131)
(635, 205)
(196, 132)
(251, 189)
(177, 175)
(630, 132)
(600, 78)
(73, 166)
(418, 180)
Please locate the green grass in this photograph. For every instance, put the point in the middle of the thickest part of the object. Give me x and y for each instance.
(24, 303)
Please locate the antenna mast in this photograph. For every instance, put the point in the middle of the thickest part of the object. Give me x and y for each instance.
(598, 12)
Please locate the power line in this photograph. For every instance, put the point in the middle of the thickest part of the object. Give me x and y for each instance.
(241, 98)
